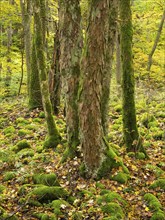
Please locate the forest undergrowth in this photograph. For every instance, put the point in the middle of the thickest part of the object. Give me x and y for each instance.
(35, 185)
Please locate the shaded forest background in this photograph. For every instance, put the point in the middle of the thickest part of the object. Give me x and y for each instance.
(35, 184)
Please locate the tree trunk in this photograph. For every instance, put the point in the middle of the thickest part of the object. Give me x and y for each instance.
(156, 42)
(98, 157)
(118, 58)
(26, 10)
(54, 75)
(53, 135)
(70, 45)
(131, 136)
(110, 31)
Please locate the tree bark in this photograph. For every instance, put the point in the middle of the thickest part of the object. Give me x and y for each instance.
(54, 75)
(53, 136)
(98, 157)
(131, 136)
(155, 42)
(70, 46)
(26, 10)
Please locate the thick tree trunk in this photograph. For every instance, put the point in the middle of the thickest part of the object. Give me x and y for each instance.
(98, 158)
(131, 136)
(53, 135)
(70, 45)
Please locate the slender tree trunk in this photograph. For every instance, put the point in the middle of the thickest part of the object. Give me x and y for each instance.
(53, 135)
(98, 157)
(155, 42)
(118, 58)
(131, 136)
(70, 45)
(26, 10)
(54, 75)
(110, 32)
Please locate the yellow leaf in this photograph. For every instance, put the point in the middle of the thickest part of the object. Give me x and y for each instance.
(147, 209)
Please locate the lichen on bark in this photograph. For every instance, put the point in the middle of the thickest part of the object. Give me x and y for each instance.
(70, 45)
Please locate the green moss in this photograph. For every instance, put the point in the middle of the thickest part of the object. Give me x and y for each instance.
(59, 205)
(157, 171)
(9, 130)
(9, 217)
(51, 141)
(20, 145)
(77, 215)
(46, 179)
(146, 144)
(153, 124)
(158, 183)
(140, 156)
(2, 211)
(22, 121)
(7, 156)
(110, 197)
(113, 209)
(45, 217)
(9, 176)
(146, 119)
(100, 185)
(159, 215)
(39, 149)
(118, 108)
(152, 201)
(46, 193)
(23, 132)
(121, 178)
(38, 120)
(131, 154)
(2, 188)
(31, 127)
(41, 115)
(158, 135)
(25, 153)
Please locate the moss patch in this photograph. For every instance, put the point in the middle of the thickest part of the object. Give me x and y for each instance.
(25, 153)
(158, 183)
(140, 155)
(113, 209)
(20, 145)
(51, 142)
(153, 202)
(46, 179)
(110, 197)
(121, 177)
(9, 176)
(9, 130)
(59, 205)
(46, 193)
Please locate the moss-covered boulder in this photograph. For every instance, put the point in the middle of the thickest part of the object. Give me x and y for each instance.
(59, 205)
(21, 145)
(140, 156)
(46, 179)
(23, 132)
(114, 210)
(47, 193)
(25, 153)
(110, 197)
(9, 176)
(22, 121)
(51, 141)
(159, 215)
(153, 202)
(7, 156)
(9, 130)
(158, 183)
(121, 177)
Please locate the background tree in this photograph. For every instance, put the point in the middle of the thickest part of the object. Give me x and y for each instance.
(70, 48)
(53, 136)
(131, 136)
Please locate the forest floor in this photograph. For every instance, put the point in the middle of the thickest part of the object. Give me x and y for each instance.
(24, 195)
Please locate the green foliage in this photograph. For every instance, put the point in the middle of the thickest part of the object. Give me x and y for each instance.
(113, 209)
(58, 205)
(153, 202)
(21, 145)
(121, 177)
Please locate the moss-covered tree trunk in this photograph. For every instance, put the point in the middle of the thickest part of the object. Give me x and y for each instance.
(53, 135)
(109, 34)
(26, 10)
(35, 98)
(131, 135)
(55, 76)
(98, 157)
(70, 45)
